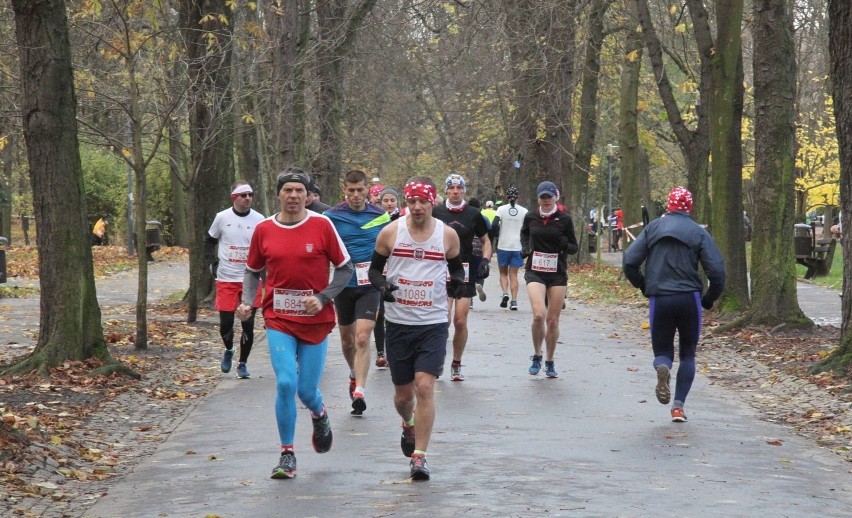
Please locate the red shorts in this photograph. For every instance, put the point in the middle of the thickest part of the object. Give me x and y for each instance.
(228, 295)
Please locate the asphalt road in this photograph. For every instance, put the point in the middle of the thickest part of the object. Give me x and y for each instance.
(593, 442)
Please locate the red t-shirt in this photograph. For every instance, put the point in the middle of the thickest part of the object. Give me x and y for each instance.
(297, 260)
(619, 219)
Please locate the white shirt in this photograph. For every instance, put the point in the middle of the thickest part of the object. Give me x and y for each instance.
(234, 234)
(511, 221)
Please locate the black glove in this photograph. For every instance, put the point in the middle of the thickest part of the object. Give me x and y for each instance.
(387, 289)
(214, 268)
(706, 303)
(525, 252)
(455, 288)
(563, 243)
(483, 270)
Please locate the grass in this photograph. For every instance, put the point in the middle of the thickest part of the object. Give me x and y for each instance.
(834, 279)
(603, 283)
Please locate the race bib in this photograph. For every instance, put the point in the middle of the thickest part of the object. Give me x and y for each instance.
(290, 302)
(414, 293)
(466, 273)
(542, 262)
(236, 254)
(362, 273)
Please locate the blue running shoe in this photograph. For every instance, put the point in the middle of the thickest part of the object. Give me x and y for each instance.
(550, 370)
(535, 368)
(242, 371)
(226, 360)
(286, 467)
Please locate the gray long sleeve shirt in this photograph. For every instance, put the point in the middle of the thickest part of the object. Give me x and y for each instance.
(672, 247)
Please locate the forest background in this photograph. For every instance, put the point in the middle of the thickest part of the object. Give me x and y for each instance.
(147, 110)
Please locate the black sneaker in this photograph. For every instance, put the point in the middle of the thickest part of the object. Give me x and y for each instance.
(505, 300)
(359, 404)
(663, 392)
(406, 442)
(322, 437)
(419, 468)
(286, 467)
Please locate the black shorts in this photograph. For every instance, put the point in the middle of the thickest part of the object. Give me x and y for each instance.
(468, 290)
(357, 303)
(547, 278)
(411, 349)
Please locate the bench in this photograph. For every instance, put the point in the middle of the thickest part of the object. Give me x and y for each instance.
(815, 254)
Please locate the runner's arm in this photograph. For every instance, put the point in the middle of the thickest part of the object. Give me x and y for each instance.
(339, 280)
(251, 280)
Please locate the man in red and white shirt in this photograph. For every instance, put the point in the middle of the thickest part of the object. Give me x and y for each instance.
(296, 247)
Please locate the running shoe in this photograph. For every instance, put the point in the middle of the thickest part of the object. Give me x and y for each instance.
(242, 371)
(678, 416)
(381, 361)
(359, 404)
(419, 468)
(455, 369)
(481, 292)
(286, 467)
(505, 300)
(535, 368)
(227, 359)
(514, 305)
(664, 393)
(322, 437)
(550, 370)
(406, 442)
(351, 388)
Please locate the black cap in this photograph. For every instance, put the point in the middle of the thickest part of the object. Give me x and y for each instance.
(293, 174)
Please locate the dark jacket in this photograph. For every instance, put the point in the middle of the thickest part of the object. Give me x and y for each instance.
(556, 235)
(672, 248)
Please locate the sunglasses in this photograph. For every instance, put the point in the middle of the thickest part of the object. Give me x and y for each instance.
(246, 194)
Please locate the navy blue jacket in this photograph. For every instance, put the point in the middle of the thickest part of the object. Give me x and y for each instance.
(672, 248)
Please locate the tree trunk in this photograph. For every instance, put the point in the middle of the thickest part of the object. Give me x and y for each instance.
(7, 163)
(628, 131)
(584, 147)
(773, 265)
(726, 103)
(840, 34)
(211, 131)
(336, 31)
(177, 167)
(70, 319)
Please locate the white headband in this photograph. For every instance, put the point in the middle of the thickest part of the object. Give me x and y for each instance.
(241, 189)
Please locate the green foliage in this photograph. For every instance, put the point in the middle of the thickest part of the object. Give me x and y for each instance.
(105, 184)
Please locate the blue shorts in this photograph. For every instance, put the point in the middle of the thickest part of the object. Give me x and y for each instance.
(509, 258)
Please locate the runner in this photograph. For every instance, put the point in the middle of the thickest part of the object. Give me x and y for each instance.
(231, 233)
(358, 223)
(418, 250)
(547, 238)
(468, 223)
(671, 248)
(507, 228)
(295, 246)
(389, 200)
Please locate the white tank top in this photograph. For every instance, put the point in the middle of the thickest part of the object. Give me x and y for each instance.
(420, 271)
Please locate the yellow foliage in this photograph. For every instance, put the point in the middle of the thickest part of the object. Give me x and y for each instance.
(818, 161)
(633, 56)
(680, 28)
(673, 10)
(247, 118)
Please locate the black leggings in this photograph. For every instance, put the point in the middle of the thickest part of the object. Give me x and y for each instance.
(379, 330)
(226, 331)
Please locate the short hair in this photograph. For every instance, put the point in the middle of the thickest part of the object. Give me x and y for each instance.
(355, 176)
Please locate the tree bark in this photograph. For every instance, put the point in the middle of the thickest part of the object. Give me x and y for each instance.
(628, 131)
(584, 147)
(840, 50)
(726, 104)
(211, 131)
(773, 265)
(70, 319)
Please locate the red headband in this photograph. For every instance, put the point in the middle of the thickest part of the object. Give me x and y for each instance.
(421, 190)
(680, 199)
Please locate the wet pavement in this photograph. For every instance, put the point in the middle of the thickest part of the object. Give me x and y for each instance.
(593, 442)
